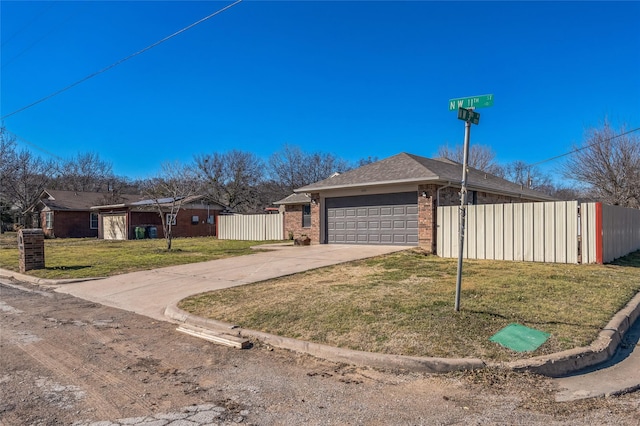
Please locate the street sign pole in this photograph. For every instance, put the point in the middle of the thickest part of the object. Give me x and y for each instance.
(463, 211)
(465, 107)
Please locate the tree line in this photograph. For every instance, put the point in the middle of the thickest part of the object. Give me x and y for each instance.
(605, 167)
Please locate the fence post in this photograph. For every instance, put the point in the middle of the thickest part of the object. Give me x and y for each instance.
(599, 233)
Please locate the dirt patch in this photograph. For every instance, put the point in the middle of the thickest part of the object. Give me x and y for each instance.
(65, 360)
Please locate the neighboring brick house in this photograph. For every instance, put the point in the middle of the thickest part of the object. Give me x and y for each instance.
(68, 214)
(196, 218)
(297, 215)
(395, 200)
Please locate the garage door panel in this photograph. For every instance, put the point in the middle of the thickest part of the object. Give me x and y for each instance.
(386, 239)
(373, 219)
(399, 211)
(399, 224)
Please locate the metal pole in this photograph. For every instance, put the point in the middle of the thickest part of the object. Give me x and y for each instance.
(463, 210)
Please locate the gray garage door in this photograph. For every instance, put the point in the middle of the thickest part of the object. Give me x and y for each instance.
(373, 219)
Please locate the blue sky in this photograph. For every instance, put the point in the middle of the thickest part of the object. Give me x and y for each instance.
(355, 79)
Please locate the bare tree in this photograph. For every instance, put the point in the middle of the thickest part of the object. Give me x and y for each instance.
(292, 168)
(365, 160)
(169, 190)
(24, 176)
(609, 164)
(7, 168)
(232, 178)
(85, 172)
(480, 157)
(528, 176)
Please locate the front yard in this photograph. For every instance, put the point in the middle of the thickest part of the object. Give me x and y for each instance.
(403, 304)
(90, 257)
(400, 303)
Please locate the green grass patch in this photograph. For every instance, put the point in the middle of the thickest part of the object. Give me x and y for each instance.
(90, 257)
(403, 303)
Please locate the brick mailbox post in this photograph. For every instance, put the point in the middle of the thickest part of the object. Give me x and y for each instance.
(31, 247)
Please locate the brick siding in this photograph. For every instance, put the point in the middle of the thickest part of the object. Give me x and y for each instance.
(68, 224)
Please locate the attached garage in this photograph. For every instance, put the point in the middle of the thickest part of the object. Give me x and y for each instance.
(114, 226)
(373, 219)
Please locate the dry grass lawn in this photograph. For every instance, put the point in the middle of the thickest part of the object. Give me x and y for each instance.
(90, 257)
(403, 304)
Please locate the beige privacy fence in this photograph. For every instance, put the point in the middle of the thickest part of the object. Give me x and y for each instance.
(254, 227)
(556, 232)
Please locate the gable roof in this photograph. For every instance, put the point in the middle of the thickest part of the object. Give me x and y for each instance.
(75, 200)
(294, 199)
(409, 168)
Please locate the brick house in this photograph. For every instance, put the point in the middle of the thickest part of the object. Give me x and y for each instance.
(140, 219)
(395, 200)
(297, 215)
(68, 214)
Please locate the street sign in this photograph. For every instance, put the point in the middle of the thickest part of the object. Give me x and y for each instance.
(481, 101)
(468, 115)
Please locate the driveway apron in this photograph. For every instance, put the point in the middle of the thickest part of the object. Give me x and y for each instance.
(150, 292)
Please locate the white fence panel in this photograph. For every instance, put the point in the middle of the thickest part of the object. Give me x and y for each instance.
(537, 232)
(588, 232)
(257, 227)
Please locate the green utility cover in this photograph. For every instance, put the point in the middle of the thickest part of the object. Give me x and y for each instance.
(520, 338)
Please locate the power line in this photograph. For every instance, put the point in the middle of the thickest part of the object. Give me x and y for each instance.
(188, 27)
(584, 147)
(20, 138)
(26, 49)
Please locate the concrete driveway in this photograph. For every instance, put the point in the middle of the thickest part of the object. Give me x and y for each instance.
(150, 292)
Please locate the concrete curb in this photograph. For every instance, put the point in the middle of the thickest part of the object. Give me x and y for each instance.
(553, 365)
(601, 350)
(5, 273)
(360, 358)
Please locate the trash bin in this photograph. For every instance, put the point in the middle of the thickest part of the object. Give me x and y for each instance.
(153, 232)
(140, 231)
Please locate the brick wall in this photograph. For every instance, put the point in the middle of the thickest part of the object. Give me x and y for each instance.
(183, 227)
(314, 231)
(293, 222)
(68, 224)
(427, 217)
(31, 248)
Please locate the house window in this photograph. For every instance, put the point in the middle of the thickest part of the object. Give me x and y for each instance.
(195, 220)
(171, 219)
(49, 220)
(306, 216)
(94, 221)
(472, 197)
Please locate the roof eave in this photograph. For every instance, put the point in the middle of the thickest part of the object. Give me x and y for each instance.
(437, 179)
(356, 185)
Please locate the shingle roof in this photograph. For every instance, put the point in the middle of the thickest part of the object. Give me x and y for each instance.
(75, 200)
(409, 168)
(294, 199)
(142, 203)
